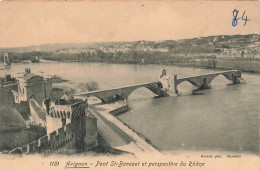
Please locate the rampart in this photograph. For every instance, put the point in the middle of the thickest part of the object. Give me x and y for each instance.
(65, 111)
(48, 143)
(65, 123)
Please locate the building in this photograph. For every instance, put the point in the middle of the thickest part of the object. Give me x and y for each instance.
(7, 84)
(32, 86)
(72, 112)
(57, 93)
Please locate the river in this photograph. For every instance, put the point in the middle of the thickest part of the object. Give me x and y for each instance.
(224, 118)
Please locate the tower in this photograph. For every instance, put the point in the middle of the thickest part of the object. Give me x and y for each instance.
(7, 60)
(32, 86)
(72, 112)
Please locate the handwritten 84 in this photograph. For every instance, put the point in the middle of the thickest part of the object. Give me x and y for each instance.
(235, 18)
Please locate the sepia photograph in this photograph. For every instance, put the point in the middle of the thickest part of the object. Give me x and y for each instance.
(129, 84)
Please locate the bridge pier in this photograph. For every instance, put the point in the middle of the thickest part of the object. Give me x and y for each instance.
(113, 98)
(204, 85)
(175, 84)
(237, 79)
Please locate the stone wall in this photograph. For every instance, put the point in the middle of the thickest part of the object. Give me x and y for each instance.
(53, 123)
(35, 132)
(90, 139)
(119, 110)
(67, 126)
(48, 143)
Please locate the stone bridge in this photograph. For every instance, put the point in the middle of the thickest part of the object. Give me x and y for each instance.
(122, 93)
(203, 81)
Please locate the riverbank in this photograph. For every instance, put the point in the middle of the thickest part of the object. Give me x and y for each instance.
(245, 66)
(222, 64)
(128, 139)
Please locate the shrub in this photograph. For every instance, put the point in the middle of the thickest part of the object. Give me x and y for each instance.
(89, 86)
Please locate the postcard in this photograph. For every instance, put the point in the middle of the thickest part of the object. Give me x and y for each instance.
(129, 85)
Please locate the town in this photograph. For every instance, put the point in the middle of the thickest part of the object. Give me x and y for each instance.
(213, 52)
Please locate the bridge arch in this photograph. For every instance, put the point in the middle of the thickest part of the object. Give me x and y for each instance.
(129, 92)
(191, 82)
(227, 76)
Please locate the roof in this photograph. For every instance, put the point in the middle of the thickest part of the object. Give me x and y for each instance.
(11, 119)
(65, 97)
(65, 100)
(27, 77)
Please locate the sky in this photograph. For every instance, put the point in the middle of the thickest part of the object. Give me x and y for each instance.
(35, 23)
